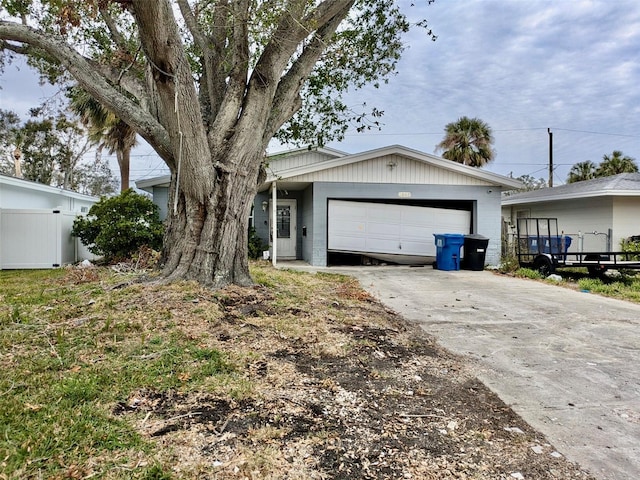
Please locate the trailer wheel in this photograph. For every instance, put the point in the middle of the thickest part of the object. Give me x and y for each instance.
(596, 270)
(544, 265)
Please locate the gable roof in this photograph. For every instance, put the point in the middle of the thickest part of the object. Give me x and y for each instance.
(492, 178)
(623, 184)
(336, 158)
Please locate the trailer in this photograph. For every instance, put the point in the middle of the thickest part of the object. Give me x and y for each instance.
(539, 246)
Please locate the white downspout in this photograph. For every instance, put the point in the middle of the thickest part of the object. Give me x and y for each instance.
(274, 224)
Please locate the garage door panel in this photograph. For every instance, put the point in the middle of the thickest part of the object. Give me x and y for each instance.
(390, 228)
(383, 213)
(454, 219)
(349, 243)
(423, 248)
(418, 215)
(415, 231)
(381, 245)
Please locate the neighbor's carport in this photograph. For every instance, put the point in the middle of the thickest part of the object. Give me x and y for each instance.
(565, 360)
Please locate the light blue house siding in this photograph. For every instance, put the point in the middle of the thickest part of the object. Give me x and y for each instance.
(161, 199)
(308, 222)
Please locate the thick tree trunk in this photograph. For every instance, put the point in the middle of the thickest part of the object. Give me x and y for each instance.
(207, 240)
(210, 132)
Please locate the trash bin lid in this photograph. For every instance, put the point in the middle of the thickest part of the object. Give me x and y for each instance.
(475, 236)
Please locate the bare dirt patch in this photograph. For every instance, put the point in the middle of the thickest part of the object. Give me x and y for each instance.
(338, 387)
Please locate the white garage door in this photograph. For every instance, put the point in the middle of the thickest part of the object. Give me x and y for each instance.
(379, 228)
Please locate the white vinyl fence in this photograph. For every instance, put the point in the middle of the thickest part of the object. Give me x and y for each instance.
(38, 239)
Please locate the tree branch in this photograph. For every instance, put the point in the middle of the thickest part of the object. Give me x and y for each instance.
(178, 104)
(325, 12)
(22, 50)
(287, 38)
(283, 44)
(94, 83)
(232, 101)
(192, 25)
(128, 82)
(212, 81)
(116, 36)
(288, 92)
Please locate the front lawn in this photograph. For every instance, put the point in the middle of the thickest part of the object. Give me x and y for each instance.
(108, 375)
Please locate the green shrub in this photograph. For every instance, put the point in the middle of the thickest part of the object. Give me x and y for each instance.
(117, 227)
(632, 247)
(256, 245)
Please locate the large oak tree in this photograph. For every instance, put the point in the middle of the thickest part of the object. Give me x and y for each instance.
(208, 84)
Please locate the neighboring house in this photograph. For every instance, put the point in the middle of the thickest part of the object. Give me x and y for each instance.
(385, 204)
(158, 187)
(36, 222)
(597, 213)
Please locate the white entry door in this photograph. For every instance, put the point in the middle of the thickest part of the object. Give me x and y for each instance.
(286, 229)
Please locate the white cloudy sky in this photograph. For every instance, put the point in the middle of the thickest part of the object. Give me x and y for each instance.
(521, 66)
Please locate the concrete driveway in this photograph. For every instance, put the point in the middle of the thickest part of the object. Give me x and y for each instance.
(568, 362)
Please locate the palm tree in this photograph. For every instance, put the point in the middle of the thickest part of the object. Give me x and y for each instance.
(468, 141)
(582, 171)
(615, 164)
(106, 130)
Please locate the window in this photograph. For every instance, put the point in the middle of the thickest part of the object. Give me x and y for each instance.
(283, 221)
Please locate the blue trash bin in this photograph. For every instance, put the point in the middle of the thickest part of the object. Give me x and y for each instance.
(554, 244)
(448, 247)
(567, 243)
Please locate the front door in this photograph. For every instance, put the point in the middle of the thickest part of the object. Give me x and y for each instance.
(286, 228)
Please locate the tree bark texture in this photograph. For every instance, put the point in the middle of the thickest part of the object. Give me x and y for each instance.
(211, 136)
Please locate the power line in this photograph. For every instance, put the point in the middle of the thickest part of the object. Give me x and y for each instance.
(596, 133)
(502, 130)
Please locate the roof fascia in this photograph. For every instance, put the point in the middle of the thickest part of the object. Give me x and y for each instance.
(571, 196)
(41, 187)
(149, 183)
(326, 150)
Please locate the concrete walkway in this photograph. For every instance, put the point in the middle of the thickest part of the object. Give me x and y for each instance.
(568, 362)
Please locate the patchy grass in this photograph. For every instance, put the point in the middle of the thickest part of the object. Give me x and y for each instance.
(299, 377)
(528, 273)
(71, 352)
(623, 287)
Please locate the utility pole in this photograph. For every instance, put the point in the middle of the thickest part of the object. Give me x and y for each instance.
(550, 157)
